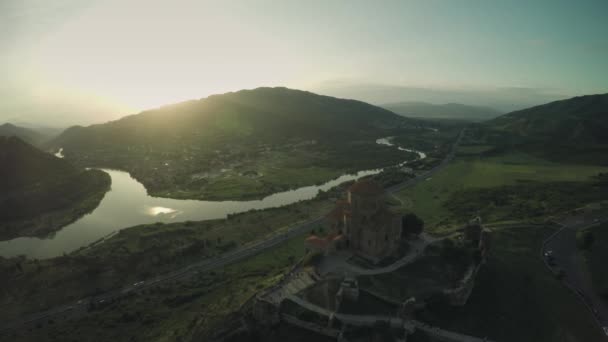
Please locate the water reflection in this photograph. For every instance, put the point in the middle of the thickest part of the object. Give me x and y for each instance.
(128, 204)
(59, 153)
(156, 211)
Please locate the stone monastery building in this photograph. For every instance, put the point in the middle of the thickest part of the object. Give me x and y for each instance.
(362, 224)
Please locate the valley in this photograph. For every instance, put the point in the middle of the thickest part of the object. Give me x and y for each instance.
(239, 146)
(188, 254)
(326, 171)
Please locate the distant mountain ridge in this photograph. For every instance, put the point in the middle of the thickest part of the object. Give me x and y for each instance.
(274, 113)
(581, 119)
(456, 111)
(26, 134)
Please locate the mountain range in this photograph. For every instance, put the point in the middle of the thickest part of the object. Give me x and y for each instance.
(455, 111)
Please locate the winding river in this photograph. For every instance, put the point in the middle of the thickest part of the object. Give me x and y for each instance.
(128, 204)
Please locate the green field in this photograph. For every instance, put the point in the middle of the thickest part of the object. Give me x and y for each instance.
(430, 198)
(516, 298)
(473, 149)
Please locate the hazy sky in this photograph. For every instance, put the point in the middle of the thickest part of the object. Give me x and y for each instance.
(78, 61)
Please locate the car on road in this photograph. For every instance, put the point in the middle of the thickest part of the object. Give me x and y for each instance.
(548, 253)
(605, 330)
(139, 283)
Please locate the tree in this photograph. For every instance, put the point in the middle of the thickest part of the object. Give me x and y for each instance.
(411, 224)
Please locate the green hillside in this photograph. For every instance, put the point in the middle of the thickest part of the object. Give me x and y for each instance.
(239, 145)
(582, 119)
(572, 130)
(39, 192)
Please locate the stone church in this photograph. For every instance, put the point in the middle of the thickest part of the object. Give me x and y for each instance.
(363, 224)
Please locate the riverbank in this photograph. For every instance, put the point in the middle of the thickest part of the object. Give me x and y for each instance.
(146, 251)
(139, 253)
(129, 203)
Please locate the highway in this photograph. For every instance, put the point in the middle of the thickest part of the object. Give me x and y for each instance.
(79, 308)
(566, 257)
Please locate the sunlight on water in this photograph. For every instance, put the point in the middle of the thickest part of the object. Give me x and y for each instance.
(59, 153)
(128, 204)
(156, 211)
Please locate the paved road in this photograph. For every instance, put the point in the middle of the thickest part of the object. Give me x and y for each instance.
(80, 308)
(567, 257)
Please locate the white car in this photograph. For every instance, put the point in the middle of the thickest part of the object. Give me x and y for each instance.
(605, 330)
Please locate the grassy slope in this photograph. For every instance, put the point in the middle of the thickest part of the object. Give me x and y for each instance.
(517, 299)
(135, 254)
(569, 131)
(178, 311)
(40, 193)
(428, 198)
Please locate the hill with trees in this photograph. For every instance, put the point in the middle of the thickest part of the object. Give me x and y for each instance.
(453, 111)
(572, 130)
(245, 144)
(40, 193)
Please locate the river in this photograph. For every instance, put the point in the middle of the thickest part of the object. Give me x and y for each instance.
(128, 204)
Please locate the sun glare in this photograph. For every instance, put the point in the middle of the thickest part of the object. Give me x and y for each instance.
(148, 65)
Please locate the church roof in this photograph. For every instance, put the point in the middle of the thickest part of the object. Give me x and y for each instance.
(366, 188)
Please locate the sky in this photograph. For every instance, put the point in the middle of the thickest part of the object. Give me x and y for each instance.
(70, 62)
